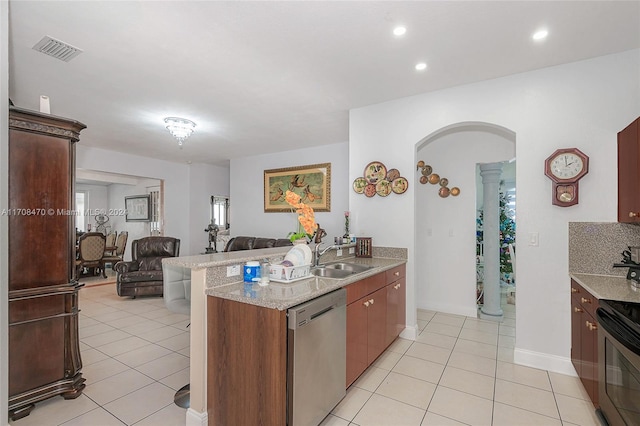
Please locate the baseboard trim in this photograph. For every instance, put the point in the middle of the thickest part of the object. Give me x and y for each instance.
(451, 309)
(195, 418)
(410, 332)
(554, 363)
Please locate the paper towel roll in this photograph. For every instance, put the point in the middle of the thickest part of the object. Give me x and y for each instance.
(44, 104)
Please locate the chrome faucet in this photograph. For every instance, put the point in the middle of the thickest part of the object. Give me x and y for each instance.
(317, 253)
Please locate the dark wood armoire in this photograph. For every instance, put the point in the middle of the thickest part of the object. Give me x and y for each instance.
(44, 353)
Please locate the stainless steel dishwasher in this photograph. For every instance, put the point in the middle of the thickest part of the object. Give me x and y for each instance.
(316, 362)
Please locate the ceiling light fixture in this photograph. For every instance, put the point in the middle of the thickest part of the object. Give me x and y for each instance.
(540, 35)
(399, 31)
(421, 66)
(180, 128)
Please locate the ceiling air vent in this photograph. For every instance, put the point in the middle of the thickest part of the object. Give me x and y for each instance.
(56, 48)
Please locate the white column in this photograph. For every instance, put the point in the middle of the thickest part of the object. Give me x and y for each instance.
(491, 239)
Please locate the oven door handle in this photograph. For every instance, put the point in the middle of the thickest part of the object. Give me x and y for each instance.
(619, 330)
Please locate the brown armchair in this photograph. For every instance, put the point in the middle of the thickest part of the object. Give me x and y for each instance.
(142, 276)
(90, 251)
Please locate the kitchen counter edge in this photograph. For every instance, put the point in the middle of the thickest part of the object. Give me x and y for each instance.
(282, 296)
(608, 287)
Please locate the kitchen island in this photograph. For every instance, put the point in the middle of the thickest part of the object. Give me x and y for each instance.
(238, 332)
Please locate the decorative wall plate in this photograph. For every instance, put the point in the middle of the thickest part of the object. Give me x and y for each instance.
(399, 185)
(443, 192)
(383, 188)
(392, 174)
(370, 190)
(359, 184)
(374, 172)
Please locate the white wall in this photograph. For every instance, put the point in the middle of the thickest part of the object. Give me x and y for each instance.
(4, 203)
(583, 104)
(205, 181)
(136, 230)
(448, 225)
(247, 215)
(177, 186)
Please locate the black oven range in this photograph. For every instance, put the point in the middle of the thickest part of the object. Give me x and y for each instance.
(619, 362)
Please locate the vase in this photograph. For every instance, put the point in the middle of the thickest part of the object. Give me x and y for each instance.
(300, 241)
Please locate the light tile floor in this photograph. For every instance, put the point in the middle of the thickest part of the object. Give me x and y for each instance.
(459, 371)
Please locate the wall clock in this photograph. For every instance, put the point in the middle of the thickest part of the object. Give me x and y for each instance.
(565, 167)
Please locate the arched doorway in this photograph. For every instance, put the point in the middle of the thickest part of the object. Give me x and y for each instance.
(446, 227)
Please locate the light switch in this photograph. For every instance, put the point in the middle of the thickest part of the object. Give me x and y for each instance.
(533, 239)
(338, 252)
(352, 250)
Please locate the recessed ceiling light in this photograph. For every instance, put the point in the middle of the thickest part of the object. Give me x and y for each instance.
(399, 31)
(421, 66)
(540, 35)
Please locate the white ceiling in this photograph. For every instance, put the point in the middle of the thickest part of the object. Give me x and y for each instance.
(262, 77)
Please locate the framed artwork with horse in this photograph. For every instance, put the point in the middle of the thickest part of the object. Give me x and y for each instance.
(312, 183)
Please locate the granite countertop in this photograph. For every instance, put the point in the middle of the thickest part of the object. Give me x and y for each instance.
(608, 287)
(282, 296)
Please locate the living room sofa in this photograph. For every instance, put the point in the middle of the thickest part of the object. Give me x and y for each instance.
(142, 276)
(251, 243)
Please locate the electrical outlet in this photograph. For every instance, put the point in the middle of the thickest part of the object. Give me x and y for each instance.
(339, 252)
(233, 270)
(352, 250)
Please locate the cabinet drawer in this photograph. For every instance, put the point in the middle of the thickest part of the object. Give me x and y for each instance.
(395, 274)
(582, 297)
(364, 287)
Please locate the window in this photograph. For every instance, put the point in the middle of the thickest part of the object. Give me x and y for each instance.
(155, 213)
(82, 204)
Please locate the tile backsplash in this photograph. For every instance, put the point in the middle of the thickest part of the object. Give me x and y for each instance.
(595, 246)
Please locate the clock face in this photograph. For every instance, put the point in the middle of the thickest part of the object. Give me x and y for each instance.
(566, 165)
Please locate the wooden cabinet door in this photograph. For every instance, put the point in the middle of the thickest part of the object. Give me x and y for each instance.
(576, 331)
(356, 339)
(396, 306)
(629, 173)
(40, 185)
(584, 339)
(589, 349)
(376, 324)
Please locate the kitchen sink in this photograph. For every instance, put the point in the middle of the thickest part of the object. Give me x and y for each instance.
(321, 271)
(339, 270)
(353, 268)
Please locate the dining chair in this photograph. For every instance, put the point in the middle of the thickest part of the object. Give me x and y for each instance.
(110, 244)
(121, 245)
(90, 251)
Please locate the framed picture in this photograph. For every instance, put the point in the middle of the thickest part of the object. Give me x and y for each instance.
(138, 208)
(312, 183)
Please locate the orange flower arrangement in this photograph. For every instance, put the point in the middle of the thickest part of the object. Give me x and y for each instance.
(307, 225)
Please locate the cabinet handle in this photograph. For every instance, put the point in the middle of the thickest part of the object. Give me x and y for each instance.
(366, 303)
(371, 301)
(591, 326)
(397, 273)
(574, 290)
(577, 310)
(634, 214)
(397, 286)
(585, 300)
